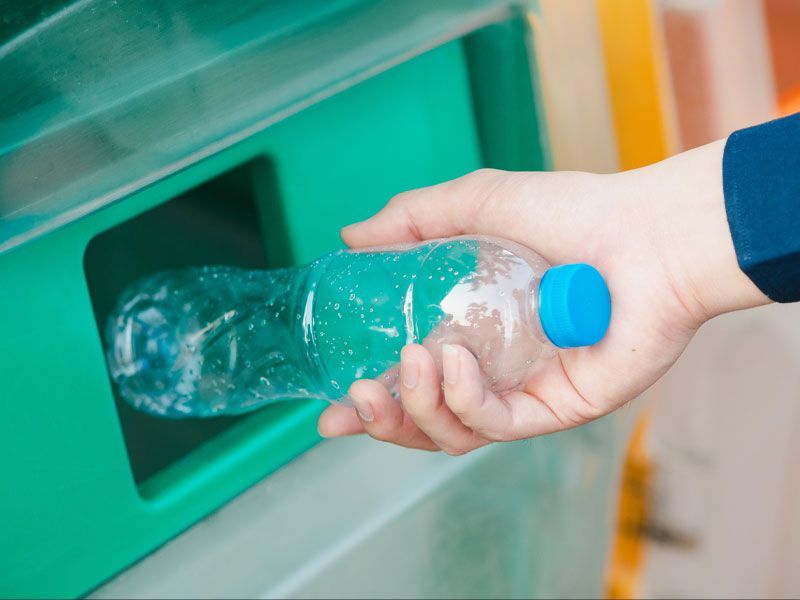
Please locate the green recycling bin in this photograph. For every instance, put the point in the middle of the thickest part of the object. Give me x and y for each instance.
(140, 136)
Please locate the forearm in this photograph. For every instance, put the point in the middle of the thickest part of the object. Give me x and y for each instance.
(687, 209)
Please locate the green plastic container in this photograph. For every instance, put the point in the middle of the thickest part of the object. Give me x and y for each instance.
(139, 136)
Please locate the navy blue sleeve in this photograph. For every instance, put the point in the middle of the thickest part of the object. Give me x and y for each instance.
(761, 183)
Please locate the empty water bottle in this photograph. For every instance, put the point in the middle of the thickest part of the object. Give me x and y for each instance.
(220, 340)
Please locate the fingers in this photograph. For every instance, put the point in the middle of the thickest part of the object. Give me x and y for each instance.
(421, 420)
(514, 416)
(447, 209)
(517, 206)
(384, 419)
(421, 396)
(459, 414)
(339, 420)
(466, 396)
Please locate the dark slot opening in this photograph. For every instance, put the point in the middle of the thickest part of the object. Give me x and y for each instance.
(219, 222)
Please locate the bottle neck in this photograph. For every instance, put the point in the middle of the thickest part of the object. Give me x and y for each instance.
(536, 327)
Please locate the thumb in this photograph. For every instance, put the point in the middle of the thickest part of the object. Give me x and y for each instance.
(474, 203)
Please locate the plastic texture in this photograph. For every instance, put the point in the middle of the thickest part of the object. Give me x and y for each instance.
(140, 90)
(153, 109)
(574, 305)
(218, 340)
(356, 519)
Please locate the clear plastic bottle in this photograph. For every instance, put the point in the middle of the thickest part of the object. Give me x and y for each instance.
(220, 340)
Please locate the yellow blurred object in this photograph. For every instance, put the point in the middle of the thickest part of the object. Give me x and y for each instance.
(634, 61)
(644, 124)
(627, 559)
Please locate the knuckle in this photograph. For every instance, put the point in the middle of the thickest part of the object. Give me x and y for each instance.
(484, 173)
(589, 409)
(575, 417)
(477, 180)
(592, 412)
(454, 451)
(421, 409)
(472, 419)
(460, 408)
(588, 413)
(382, 433)
(379, 435)
(402, 199)
(492, 435)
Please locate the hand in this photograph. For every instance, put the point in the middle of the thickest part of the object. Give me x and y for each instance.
(659, 235)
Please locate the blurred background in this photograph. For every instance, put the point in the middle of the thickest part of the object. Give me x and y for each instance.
(137, 136)
(709, 497)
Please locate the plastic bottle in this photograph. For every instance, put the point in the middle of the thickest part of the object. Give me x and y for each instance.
(220, 340)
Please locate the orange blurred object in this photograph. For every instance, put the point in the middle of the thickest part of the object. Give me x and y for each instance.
(783, 23)
(789, 102)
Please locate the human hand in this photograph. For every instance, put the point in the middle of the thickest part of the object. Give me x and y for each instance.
(659, 236)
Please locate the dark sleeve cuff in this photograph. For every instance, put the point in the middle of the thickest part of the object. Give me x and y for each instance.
(761, 182)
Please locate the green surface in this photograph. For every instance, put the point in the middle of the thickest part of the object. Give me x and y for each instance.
(140, 89)
(89, 489)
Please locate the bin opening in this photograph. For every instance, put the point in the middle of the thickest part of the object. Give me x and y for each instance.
(222, 221)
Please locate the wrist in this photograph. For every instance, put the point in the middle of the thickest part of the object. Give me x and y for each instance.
(691, 225)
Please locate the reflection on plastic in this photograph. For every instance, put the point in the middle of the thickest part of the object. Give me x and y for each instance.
(221, 340)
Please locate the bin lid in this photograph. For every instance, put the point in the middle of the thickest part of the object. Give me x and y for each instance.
(99, 98)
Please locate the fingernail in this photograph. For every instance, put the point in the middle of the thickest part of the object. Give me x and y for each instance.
(450, 363)
(409, 369)
(363, 408)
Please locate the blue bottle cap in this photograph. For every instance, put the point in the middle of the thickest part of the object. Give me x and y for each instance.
(574, 305)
